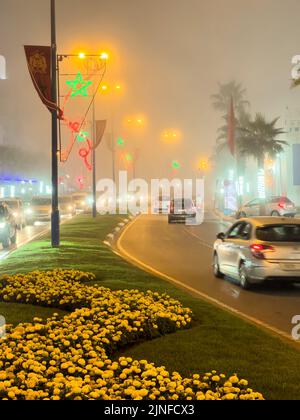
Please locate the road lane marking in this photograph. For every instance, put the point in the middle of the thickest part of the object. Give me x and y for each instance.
(139, 263)
(199, 239)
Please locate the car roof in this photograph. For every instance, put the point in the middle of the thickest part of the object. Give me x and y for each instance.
(264, 221)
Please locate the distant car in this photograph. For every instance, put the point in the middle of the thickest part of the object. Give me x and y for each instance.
(17, 208)
(82, 202)
(274, 206)
(258, 250)
(66, 206)
(39, 210)
(162, 206)
(182, 210)
(8, 227)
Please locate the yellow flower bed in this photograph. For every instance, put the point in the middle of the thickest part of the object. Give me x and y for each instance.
(70, 358)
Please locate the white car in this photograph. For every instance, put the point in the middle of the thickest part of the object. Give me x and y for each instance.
(17, 209)
(259, 250)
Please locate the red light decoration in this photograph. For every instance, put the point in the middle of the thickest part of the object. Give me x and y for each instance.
(84, 154)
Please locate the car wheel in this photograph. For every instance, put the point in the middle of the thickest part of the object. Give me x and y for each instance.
(275, 214)
(6, 243)
(216, 267)
(244, 279)
(13, 239)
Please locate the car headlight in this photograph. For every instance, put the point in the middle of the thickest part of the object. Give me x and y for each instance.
(70, 208)
(28, 211)
(15, 214)
(2, 225)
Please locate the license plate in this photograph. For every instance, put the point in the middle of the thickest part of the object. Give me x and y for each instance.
(290, 267)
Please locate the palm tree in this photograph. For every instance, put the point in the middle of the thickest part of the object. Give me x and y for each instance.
(234, 90)
(258, 139)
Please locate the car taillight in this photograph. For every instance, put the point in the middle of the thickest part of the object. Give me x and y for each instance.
(281, 205)
(259, 250)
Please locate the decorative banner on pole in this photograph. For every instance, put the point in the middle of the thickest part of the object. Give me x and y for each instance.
(39, 65)
(100, 129)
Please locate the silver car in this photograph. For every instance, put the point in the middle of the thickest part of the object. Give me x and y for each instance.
(258, 250)
(273, 206)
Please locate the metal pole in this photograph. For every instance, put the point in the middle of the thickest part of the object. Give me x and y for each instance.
(55, 228)
(94, 163)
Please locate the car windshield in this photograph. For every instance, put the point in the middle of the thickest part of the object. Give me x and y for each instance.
(41, 202)
(279, 233)
(64, 200)
(12, 204)
(79, 197)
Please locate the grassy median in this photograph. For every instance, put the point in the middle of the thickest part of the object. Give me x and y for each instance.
(217, 339)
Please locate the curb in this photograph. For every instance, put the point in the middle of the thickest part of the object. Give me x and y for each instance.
(111, 237)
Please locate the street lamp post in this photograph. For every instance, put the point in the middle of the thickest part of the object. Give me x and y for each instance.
(55, 219)
(94, 164)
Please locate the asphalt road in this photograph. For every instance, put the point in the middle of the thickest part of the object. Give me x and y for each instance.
(23, 236)
(184, 253)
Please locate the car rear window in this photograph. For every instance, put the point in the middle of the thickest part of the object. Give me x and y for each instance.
(283, 200)
(183, 204)
(279, 233)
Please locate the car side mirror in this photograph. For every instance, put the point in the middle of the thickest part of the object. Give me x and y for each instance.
(221, 236)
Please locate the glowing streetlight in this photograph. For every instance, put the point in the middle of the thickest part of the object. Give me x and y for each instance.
(81, 55)
(171, 136)
(104, 56)
(135, 122)
(204, 165)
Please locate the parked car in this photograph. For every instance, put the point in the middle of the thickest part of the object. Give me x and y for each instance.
(66, 206)
(8, 227)
(182, 210)
(39, 210)
(273, 206)
(258, 250)
(17, 208)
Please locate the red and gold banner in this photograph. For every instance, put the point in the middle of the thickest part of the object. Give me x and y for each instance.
(100, 129)
(39, 65)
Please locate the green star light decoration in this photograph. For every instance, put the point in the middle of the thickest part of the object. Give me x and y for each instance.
(82, 136)
(120, 142)
(79, 86)
(176, 165)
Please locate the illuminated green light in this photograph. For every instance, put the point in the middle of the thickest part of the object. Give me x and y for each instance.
(176, 165)
(129, 157)
(120, 142)
(79, 86)
(82, 136)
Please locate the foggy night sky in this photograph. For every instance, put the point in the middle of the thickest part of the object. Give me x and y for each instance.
(170, 55)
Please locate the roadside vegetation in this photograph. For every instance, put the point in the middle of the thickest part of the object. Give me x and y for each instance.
(215, 340)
